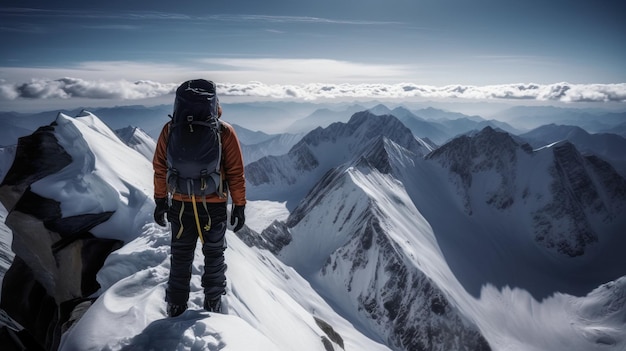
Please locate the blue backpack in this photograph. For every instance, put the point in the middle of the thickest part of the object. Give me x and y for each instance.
(194, 147)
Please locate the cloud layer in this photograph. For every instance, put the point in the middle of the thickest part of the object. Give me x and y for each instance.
(66, 88)
(69, 88)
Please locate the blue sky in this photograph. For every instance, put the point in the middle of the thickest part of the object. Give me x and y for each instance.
(423, 42)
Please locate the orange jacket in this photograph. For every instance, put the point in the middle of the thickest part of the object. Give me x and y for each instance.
(232, 168)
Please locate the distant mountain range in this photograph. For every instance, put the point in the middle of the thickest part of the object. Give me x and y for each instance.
(592, 120)
(290, 121)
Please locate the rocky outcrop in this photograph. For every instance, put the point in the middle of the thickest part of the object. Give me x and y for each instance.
(138, 140)
(57, 257)
(273, 238)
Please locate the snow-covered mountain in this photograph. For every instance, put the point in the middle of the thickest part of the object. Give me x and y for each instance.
(608, 146)
(358, 238)
(437, 125)
(561, 211)
(149, 118)
(361, 237)
(406, 244)
(422, 128)
(290, 176)
(138, 140)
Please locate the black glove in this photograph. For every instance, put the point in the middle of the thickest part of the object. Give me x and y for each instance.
(160, 210)
(238, 214)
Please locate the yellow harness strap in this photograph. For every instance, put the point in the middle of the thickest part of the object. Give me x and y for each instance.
(180, 220)
(195, 214)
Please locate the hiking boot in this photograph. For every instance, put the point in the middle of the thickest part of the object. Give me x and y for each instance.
(213, 305)
(175, 310)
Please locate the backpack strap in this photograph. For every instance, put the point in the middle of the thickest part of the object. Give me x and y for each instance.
(220, 182)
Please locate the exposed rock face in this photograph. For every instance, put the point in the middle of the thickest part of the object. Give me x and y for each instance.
(56, 257)
(583, 189)
(273, 238)
(485, 151)
(563, 192)
(403, 304)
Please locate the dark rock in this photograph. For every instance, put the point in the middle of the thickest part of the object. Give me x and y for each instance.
(37, 156)
(56, 258)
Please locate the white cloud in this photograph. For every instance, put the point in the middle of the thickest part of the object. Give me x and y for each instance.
(68, 88)
(272, 78)
(563, 92)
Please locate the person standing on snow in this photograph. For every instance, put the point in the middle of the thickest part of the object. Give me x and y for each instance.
(196, 207)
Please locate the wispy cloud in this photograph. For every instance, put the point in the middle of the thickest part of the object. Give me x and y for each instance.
(303, 70)
(68, 88)
(172, 16)
(293, 19)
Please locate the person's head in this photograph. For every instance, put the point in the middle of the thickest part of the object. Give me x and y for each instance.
(197, 97)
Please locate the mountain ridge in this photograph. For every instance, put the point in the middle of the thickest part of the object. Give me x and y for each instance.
(290, 176)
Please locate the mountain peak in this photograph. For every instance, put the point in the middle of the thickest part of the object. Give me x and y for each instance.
(360, 129)
(290, 176)
(376, 157)
(380, 109)
(385, 155)
(486, 143)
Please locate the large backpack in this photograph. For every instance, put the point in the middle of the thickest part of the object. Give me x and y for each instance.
(194, 147)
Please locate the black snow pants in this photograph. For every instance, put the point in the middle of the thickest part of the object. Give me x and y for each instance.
(184, 244)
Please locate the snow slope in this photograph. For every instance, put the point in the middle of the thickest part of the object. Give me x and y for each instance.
(138, 139)
(269, 306)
